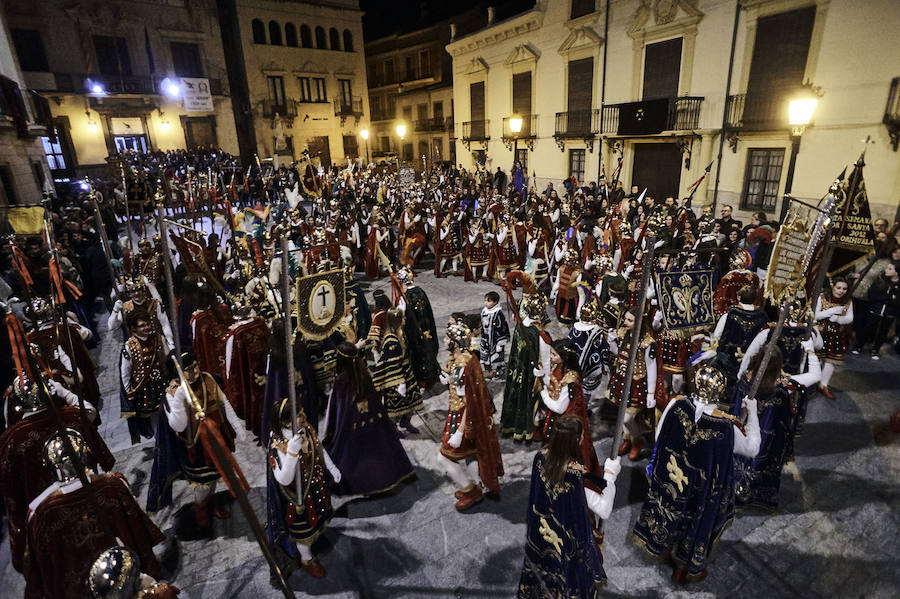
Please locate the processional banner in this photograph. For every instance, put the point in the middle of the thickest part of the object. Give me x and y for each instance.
(320, 303)
(787, 271)
(686, 299)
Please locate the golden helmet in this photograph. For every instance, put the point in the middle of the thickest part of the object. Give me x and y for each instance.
(534, 305)
(709, 383)
(460, 335)
(591, 312)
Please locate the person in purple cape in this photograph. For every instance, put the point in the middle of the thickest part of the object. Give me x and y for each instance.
(359, 436)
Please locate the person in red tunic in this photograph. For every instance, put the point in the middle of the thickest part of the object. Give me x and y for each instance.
(478, 250)
(22, 475)
(69, 525)
(726, 295)
(834, 317)
(564, 395)
(209, 323)
(564, 291)
(246, 351)
(469, 430)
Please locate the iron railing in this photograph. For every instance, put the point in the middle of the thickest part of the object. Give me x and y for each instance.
(433, 124)
(348, 106)
(577, 123)
(892, 113)
(286, 109)
(77, 83)
(757, 112)
(683, 114)
(476, 130)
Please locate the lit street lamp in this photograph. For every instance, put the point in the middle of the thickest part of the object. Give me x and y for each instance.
(401, 133)
(800, 113)
(365, 135)
(515, 126)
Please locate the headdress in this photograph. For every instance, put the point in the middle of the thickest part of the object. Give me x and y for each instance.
(460, 335)
(56, 458)
(114, 574)
(534, 305)
(709, 383)
(592, 312)
(405, 275)
(741, 259)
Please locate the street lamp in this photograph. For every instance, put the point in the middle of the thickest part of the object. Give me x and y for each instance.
(401, 133)
(800, 113)
(515, 126)
(365, 135)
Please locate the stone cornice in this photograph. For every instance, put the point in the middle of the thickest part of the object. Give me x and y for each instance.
(498, 33)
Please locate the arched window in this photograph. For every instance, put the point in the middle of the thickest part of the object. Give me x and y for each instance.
(334, 38)
(348, 41)
(305, 36)
(290, 35)
(274, 33)
(259, 31)
(320, 39)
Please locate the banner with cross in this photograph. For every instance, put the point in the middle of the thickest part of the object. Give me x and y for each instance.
(320, 301)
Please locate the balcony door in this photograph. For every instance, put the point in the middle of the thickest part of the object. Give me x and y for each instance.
(319, 148)
(662, 69)
(476, 110)
(580, 97)
(658, 168)
(522, 100)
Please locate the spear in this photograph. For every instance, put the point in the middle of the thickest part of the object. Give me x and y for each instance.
(289, 341)
(635, 343)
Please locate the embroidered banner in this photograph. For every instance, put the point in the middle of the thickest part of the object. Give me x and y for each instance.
(787, 271)
(686, 299)
(320, 303)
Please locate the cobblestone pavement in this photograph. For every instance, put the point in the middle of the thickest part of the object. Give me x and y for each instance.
(835, 534)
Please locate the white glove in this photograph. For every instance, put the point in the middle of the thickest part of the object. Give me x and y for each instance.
(808, 344)
(553, 294)
(117, 307)
(294, 445)
(611, 336)
(651, 401)
(336, 474)
(538, 372)
(833, 318)
(749, 403)
(54, 387)
(444, 377)
(401, 389)
(611, 469)
(545, 395)
(455, 439)
(657, 319)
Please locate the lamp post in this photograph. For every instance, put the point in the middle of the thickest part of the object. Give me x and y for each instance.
(800, 113)
(401, 133)
(515, 127)
(365, 135)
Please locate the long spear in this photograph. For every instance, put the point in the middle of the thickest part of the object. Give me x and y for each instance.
(624, 399)
(289, 340)
(104, 240)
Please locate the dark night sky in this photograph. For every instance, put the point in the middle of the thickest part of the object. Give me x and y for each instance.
(385, 17)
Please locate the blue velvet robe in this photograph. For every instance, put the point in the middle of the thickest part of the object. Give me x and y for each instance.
(691, 497)
(561, 557)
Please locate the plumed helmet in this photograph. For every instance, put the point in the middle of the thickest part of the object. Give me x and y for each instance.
(571, 256)
(241, 310)
(592, 312)
(58, 460)
(114, 574)
(405, 275)
(145, 244)
(134, 286)
(709, 383)
(799, 312)
(534, 305)
(40, 310)
(520, 278)
(605, 262)
(26, 397)
(460, 335)
(741, 259)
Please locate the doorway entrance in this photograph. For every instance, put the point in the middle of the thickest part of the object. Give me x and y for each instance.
(318, 147)
(657, 166)
(136, 143)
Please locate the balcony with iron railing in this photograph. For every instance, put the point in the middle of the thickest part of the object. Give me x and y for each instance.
(432, 124)
(78, 83)
(528, 128)
(450, 127)
(757, 112)
(892, 113)
(286, 109)
(649, 117)
(345, 107)
(577, 124)
(476, 131)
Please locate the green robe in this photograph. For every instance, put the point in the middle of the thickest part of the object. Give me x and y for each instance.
(519, 396)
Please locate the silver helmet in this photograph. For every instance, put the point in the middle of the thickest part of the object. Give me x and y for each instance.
(40, 310)
(57, 459)
(26, 397)
(114, 574)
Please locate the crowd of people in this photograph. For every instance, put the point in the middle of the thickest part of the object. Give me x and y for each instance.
(204, 361)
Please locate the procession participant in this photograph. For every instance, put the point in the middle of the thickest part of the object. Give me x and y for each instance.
(376, 330)
(295, 521)
(377, 246)
(564, 395)
(116, 574)
(478, 251)
(525, 375)
(60, 551)
(148, 263)
(591, 345)
(22, 476)
(190, 459)
(410, 234)
(562, 556)
(139, 297)
(450, 246)
(494, 337)
(643, 383)
(393, 374)
(358, 436)
(209, 323)
(563, 292)
(469, 430)
(246, 346)
(419, 328)
(736, 330)
(758, 478)
(362, 315)
(505, 252)
(835, 313)
(691, 496)
(729, 287)
(144, 374)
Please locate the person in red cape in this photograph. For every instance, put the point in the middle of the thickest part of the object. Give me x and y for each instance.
(210, 322)
(69, 524)
(246, 352)
(726, 295)
(376, 246)
(469, 430)
(564, 395)
(22, 476)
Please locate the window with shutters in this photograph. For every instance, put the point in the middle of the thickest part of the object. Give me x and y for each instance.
(576, 164)
(319, 94)
(581, 8)
(777, 66)
(290, 35)
(346, 91)
(30, 50)
(334, 39)
(410, 73)
(424, 63)
(348, 41)
(662, 69)
(407, 113)
(53, 149)
(388, 71)
(521, 100)
(276, 90)
(321, 44)
(275, 33)
(186, 59)
(762, 179)
(422, 112)
(385, 143)
(438, 110)
(351, 146)
(476, 110)
(306, 36)
(305, 89)
(112, 55)
(580, 96)
(391, 111)
(7, 186)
